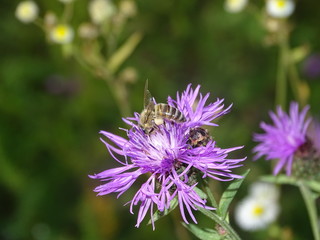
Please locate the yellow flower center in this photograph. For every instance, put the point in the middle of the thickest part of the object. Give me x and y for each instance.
(281, 3)
(26, 11)
(233, 2)
(258, 210)
(61, 31)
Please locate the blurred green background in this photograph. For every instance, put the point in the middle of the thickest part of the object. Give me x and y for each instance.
(51, 110)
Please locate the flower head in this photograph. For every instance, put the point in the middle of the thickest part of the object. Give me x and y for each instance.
(259, 208)
(235, 6)
(101, 10)
(280, 8)
(264, 191)
(314, 135)
(172, 166)
(62, 34)
(27, 11)
(254, 214)
(283, 139)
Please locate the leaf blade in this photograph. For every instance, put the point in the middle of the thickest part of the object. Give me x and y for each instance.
(202, 233)
(229, 194)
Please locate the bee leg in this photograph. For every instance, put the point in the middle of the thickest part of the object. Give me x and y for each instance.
(158, 121)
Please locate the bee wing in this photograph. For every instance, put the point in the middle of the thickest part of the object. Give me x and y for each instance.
(148, 101)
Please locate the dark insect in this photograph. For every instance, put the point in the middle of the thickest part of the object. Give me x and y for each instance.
(198, 137)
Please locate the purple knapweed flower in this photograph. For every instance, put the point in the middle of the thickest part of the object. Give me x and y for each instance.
(314, 135)
(284, 138)
(169, 164)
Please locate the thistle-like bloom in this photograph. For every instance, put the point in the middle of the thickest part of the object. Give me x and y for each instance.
(314, 135)
(169, 163)
(280, 8)
(282, 139)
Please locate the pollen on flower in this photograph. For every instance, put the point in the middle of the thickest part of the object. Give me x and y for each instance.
(258, 210)
(281, 3)
(62, 34)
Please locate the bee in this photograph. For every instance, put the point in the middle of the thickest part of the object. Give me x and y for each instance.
(198, 137)
(154, 114)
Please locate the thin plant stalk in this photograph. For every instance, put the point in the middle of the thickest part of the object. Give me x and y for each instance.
(281, 84)
(311, 208)
(223, 223)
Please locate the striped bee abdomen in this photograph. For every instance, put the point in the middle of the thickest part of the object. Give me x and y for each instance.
(168, 112)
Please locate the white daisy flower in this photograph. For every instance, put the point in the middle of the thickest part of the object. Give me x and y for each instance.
(235, 6)
(264, 191)
(27, 11)
(280, 8)
(61, 34)
(253, 214)
(101, 10)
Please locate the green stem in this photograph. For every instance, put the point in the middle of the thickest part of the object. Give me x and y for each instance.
(117, 89)
(295, 82)
(68, 12)
(312, 210)
(281, 85)
(231, 232)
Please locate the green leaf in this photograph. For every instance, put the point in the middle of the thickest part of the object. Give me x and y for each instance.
(209, 193)
(202, 233)
(201, 193)
(231, 234)
(229, 194)
(157, 215)
(312, 209)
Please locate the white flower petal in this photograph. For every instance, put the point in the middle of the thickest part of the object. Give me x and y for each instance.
(27, 11)
(253, 214)
(62, 34)
(280, 8)
(101, 10)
